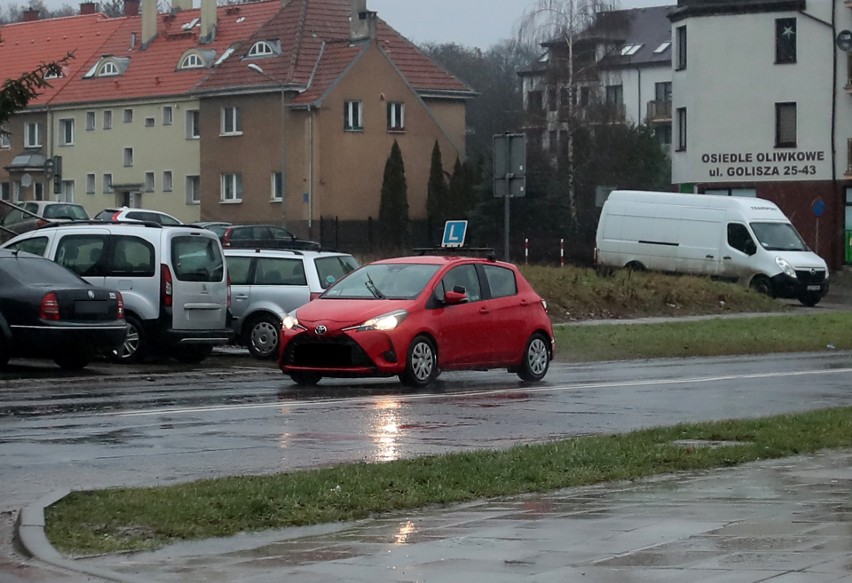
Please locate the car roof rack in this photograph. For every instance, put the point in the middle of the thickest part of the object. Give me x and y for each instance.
(486, 252)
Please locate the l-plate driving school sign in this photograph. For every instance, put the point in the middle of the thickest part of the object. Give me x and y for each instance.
(454, 233)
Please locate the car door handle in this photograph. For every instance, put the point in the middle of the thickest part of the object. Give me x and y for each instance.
(708, 257)
(728, 257)
(484, 310)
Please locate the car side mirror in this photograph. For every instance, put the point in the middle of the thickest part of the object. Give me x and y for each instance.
(750, 248)
(455, 296)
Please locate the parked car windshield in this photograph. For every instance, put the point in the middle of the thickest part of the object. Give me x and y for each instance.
(37, 271)
(396, 281)
(778, 237)
(331, 269)
(65, 211)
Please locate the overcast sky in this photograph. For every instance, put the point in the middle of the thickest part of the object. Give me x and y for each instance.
(473, 23)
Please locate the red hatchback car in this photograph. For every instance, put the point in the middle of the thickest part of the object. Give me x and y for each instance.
(417, 316)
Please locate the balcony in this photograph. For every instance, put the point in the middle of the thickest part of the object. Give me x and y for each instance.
(661, 111)
(592, 113)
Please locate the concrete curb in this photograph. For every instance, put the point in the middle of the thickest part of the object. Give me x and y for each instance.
(32, 540)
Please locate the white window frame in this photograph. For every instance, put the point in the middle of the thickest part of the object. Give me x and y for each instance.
(5, 141)
(231, 188)
(261, 49)
(107, 119)
(128, 157)
(90, 183)
(66, 131)
(168, 115)
(67, 194)
(108, 69)
(128, 115)
(107, 183)
(150, 122)
(232, 123)
(353, 116)
(277, 188)
(91, 120)
(33, 135)
(168, 182)
(192, 61)
(193, 189)
(150, 182)
(396, 116)
(193, 123)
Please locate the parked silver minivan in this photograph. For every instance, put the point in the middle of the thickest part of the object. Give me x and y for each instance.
(173, 279)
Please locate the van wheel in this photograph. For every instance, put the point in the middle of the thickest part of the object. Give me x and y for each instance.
(305, 379)
(634, 266)
(762, 285)
(810, 299)
(135, 344)
(263, 334)
(192, 354)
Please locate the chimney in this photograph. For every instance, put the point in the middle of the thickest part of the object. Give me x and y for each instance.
(178, 5)
(359, 28)
(131, 7)
(149, 22)
(30, 14)
(208, 21)
(87, 8)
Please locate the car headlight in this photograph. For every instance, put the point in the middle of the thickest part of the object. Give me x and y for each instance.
(387, 321)
(290, 321)
(786, 267)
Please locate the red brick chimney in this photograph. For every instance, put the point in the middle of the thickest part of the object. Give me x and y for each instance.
(131, 7)
(87, 8)
(30, 14)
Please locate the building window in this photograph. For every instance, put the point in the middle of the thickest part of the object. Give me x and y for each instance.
(149, 122)
(681, 129)
(5, 191)
(785, 40)
(167, 180)
(5, 140)
(231, 121)
(193, 119)
(352, 116)
(551, 99)
(614, 94)
(108, 69)
(66, 132)
(67, 194)
(535, 101)
(128, 116)
(396, 116)
(585, 97)
(260, 49)
(232, 187)
(107, 184)
(90, 183)
(32, 135)
(168, 115)
(663, 91)
(108, 119)
(90, 121)
(149, 182)
(192, 61)
(277, 187)
(785, 125)
(680, 63)
(193, 190)
(128, 157)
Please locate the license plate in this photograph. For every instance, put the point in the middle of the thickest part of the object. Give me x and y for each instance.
(90, 307)
(813, 288)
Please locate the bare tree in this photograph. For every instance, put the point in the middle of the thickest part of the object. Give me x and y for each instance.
(565, 21)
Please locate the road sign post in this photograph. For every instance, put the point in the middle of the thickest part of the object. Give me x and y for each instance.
(509, 173)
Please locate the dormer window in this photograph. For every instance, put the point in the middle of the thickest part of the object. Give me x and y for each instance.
(192, 61)
(629, 50)
(108, 69)
(196, 59)
(265, 48)
(53, 73)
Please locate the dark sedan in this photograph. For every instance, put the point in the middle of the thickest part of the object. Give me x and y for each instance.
(262, 237)
(47, 311)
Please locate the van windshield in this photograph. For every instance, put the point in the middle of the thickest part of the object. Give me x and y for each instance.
(778, 237)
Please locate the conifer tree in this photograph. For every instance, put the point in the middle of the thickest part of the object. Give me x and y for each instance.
(393, 209)
(436, 192)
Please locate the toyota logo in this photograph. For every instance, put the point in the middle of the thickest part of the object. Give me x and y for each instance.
(320, 330)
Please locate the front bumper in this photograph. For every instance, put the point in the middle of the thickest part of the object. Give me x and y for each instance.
(358, 354)
(784, 286)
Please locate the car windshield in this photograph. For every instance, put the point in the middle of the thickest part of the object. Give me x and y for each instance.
(396, 281)
(65, 211)
(330, 269)
(38, 271)
(778, 237)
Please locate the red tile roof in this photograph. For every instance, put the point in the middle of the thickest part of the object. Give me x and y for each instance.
(26, 45)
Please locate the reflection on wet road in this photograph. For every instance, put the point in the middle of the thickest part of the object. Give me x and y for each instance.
(163, 424)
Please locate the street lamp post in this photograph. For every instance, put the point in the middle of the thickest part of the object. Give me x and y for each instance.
(257, 69)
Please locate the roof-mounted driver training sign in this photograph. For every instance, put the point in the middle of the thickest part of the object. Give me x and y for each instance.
(454, 232)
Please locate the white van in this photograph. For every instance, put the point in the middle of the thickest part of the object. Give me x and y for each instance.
(740, 239)
(172, 278)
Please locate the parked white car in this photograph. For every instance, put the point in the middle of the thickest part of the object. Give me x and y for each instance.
(172, 279)
(133, 214)
(266, 284)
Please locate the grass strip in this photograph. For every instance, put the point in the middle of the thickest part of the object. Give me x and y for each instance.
(141, 518)
(745, 335)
